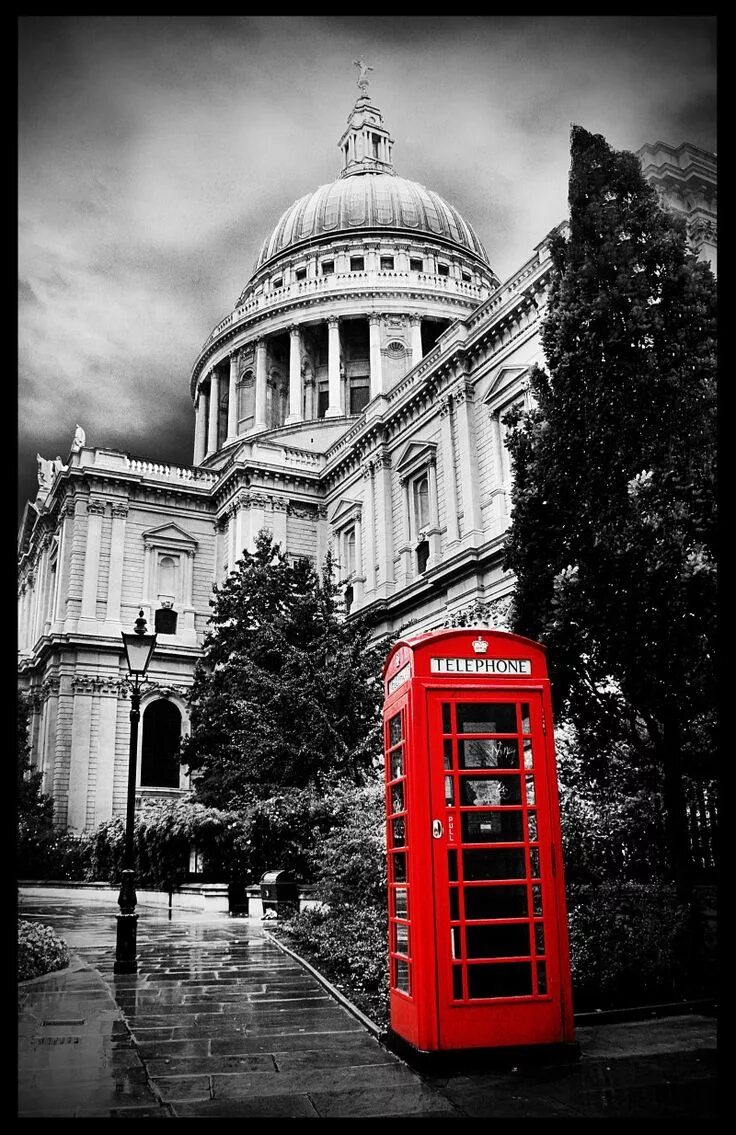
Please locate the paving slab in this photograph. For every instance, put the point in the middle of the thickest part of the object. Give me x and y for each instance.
(219, 1022)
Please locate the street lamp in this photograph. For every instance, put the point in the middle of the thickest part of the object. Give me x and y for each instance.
(139, 648)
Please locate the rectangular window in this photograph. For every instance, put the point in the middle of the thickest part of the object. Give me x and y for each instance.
(359, 398)
(323, 401)
(443, 269)
(466, 277)
(387, 263)
(328, 267)
(357, 264)
(279, 283)
(301, 273)
(416, 265)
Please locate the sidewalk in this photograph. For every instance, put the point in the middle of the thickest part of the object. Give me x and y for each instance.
(218, 1021)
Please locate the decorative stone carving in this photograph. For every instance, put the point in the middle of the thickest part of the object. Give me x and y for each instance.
(90, 684)
(50, 687)
(96, 507)
(119, 509)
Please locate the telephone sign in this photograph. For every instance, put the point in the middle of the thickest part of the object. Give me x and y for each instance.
(477, 920)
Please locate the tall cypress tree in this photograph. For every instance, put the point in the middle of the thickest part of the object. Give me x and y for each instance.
(612, 538)
(287, 692)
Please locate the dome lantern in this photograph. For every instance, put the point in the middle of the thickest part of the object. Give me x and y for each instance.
(366, 146)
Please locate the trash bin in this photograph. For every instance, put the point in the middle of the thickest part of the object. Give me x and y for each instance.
(237, 896)
(279, 894)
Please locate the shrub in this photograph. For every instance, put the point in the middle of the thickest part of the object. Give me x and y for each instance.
(349, 856)
(40, 950)
(628, 946)
(349, 946)
(347, 939)
(53, 855)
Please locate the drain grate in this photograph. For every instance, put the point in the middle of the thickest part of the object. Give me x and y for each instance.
(58, 1040)
(70, 1021)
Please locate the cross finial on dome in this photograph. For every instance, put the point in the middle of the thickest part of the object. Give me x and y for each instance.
(362, 79)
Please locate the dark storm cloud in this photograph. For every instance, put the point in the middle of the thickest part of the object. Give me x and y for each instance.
(157, 153)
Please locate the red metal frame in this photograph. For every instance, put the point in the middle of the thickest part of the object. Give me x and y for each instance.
(477, 919)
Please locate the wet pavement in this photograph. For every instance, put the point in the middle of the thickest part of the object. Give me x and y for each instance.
(220, 1022)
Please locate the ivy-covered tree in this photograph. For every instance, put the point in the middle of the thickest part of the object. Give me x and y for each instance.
(612, 538)
(287, 692)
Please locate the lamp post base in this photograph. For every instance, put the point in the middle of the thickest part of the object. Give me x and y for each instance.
(126, 960)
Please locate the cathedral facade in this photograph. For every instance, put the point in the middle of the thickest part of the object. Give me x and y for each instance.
(353, 399)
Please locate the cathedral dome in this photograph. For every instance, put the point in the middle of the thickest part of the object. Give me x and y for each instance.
(361, 200)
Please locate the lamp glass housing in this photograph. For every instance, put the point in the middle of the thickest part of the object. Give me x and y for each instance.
(138, 651)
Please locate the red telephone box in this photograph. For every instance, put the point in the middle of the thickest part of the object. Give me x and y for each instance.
(477, 919)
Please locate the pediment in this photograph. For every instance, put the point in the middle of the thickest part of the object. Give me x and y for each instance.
(345, 509)
(506, 379)
(415, 453)
(169, 534)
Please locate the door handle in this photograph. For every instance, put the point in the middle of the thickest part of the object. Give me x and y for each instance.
(437, 829)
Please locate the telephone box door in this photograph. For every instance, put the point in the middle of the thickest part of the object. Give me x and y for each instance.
(494, 864)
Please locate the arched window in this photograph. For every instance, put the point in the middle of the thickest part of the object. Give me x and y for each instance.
(349, 565)
(166, 576)
(421, 503)
(246, 388)
(161, 735)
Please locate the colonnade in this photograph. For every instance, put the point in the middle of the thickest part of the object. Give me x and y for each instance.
(207, 401)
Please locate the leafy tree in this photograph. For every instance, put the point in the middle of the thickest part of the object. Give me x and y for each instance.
(287, 692)
(612, 539)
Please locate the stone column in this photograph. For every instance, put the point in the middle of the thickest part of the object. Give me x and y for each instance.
(370, 527)
(115, 579)
(200, 428)
(415, 325)
(63, 563)
(433, 533)
(278, 521)
(261, 378)
(310, 399)
(472, 525)
(232, 399)
(76, 817)
(333, 368)
(48, 756)
(499, 488)
(448, 472)
(358, 580)
(108, 711)
(214, 412)
(374, 333)
(95, 511)
(295, 377)
(384, 521)
(37, 600)
(408, 535)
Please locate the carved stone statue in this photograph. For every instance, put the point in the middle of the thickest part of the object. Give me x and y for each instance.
(80, 439)
(363, 77)
(45, 473)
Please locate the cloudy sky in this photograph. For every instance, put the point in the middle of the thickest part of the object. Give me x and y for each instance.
(156, 153)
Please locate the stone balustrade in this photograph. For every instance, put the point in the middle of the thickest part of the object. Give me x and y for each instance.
(341, 282)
